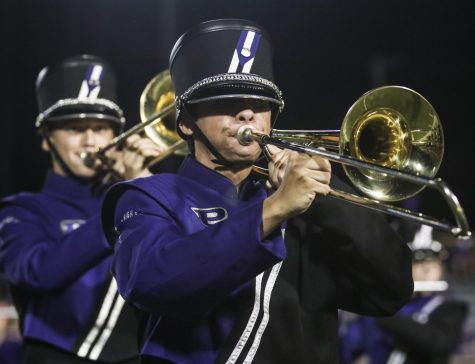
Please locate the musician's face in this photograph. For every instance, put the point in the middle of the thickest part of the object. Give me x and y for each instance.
(72, 138)
(220, 121)
(427, 270)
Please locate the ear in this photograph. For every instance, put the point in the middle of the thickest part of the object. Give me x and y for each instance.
(44, 145)
(185, 128)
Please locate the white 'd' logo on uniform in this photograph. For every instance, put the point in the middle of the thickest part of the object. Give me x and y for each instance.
(70, 225)
(211, 215)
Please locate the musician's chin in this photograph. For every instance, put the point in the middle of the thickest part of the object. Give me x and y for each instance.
(249, 153)
(80, 170)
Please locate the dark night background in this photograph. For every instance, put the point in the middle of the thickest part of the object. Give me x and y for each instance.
(327, 53)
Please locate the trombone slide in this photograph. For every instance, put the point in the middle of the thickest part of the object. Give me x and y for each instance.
(247, 134)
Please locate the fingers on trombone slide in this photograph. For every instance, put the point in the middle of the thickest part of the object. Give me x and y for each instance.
(144, 146)
(278, 165)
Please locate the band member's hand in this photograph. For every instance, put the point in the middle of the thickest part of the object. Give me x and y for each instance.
(300, 178)
(278, 159)
(278, 164)
(130, 161)
(305, 177)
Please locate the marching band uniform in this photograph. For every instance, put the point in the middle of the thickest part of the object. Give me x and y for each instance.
(53, 251)
(213, 288)
(189, 252)
(207, 272)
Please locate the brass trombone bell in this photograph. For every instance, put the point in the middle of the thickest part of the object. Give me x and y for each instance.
(391, 126)
(157, 95)
(157, 113)
(390, 145)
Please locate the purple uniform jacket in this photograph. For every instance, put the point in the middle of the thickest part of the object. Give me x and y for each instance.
(189, 252)
(55, 256)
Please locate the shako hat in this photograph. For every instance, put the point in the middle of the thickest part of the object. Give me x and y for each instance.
(224, 58)
(82, 86)
(423, 245)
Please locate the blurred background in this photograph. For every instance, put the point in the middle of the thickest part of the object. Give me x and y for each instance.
(326, 54)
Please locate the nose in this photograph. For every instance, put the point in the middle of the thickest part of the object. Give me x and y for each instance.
(89, 137)
(246, 115)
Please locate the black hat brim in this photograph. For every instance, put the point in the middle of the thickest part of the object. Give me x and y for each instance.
(81, 110)
(233, 86)
(236, 89)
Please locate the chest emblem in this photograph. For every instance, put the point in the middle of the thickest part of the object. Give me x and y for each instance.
(211, 215)
(69, 225)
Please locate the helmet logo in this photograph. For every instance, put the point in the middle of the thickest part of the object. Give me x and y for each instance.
(91, 85)
(245, 52)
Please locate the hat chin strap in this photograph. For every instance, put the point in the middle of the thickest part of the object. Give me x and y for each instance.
(69, 173)
(220, 160)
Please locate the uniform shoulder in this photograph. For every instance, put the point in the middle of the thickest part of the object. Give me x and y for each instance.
(150, 185)
(161, 179)
(154, 187)
(20, 199)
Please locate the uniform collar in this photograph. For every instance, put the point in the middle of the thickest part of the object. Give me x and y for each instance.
(56, 184)
(211, 179)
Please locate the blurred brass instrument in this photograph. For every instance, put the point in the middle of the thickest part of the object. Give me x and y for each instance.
(430, 286)
(157, 114)
(157, 96)
(390, 145)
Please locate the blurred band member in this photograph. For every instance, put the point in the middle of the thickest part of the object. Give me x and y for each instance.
(53, 252)
(425, 331)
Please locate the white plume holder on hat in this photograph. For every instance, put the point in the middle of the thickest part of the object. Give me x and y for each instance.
(423, 240)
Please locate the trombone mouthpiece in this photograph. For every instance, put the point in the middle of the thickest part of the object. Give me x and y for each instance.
(88, 159)
(244, 134)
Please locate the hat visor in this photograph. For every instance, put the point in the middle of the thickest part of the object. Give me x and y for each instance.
(84, 111)
(235, 89)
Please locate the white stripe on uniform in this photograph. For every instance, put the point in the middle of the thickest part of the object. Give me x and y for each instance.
(101, 318)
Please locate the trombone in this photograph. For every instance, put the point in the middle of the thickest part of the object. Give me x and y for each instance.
(157, 114)
(390, 145)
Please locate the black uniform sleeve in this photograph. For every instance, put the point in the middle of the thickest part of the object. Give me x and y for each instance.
(441, 334)
(370, 264)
